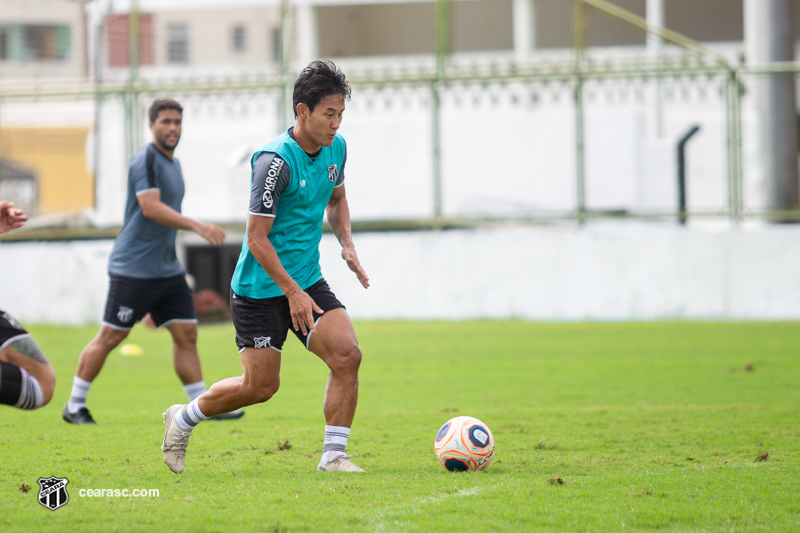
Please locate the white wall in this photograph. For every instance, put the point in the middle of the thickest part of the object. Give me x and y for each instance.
(601, 272)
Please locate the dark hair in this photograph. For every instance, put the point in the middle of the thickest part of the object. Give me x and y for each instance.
(159, 105)
(318, 80)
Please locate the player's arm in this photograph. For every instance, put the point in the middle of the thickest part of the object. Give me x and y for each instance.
(157, 211)
(338, 214)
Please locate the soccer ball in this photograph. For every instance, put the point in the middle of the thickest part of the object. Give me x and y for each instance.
(464, 443)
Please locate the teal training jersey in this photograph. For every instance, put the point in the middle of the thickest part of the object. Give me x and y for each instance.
(294, 188)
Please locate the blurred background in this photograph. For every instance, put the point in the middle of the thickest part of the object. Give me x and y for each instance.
(532, 159)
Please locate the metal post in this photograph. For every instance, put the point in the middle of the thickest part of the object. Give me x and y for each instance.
(738, 175)
(524, 29)
(769, 38)
(442, 44)
(580, 50)
(654, 45)
(133, 41)
(97, 17)
(286, 113)
(733, 102)
(681, 153)
(132, 120)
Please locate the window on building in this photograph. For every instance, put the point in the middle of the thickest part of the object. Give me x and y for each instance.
(275, 43)
(3, 44)
(239, 38)
(35, 42)
(118, 39)
(177, 43)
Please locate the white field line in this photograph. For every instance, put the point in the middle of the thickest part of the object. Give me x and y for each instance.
(384, 522)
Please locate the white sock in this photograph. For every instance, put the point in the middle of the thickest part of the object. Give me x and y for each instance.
(190, 415)
(335, 442)
(77, 398)
(193, 390)
(30, 396)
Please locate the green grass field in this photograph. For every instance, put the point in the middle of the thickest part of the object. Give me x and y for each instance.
(599, 427)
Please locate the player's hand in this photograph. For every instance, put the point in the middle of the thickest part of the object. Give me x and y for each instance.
(349, 255)
(302, 308)
(213, 234)
(10, 217)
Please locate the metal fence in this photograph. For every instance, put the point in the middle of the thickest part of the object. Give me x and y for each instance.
(435, 140)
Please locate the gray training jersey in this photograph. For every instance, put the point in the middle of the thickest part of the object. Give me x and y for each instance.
(144, 248)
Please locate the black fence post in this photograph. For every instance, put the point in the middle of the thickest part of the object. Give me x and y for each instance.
(682, 173)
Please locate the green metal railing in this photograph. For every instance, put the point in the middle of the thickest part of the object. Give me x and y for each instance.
(698, 60)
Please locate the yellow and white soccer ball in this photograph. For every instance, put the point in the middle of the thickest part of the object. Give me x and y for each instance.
(464, 443)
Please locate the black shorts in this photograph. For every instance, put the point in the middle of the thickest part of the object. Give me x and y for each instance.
(10, 329)
(166, 299)
(264, 322)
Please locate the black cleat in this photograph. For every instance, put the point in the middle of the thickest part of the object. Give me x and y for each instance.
(233, 415)
(83, 416)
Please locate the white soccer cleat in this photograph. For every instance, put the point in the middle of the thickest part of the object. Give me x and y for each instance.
(340, 464)
(176, 439)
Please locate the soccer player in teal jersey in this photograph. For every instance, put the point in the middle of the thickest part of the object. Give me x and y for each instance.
(277, 285)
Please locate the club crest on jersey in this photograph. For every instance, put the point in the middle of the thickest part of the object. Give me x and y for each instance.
(333, 173)
(262, 342)
(125, 314)
(53, 492)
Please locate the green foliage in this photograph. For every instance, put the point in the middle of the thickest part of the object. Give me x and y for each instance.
(674, 426)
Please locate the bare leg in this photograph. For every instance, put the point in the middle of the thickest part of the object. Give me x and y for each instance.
(26, 353)
(94, 355)
(184, 351)
(335, 343)
(259, 383)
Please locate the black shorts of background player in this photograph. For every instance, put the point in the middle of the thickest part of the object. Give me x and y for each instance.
(26, 378)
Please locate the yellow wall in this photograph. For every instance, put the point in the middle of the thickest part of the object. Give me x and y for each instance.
(58, 156)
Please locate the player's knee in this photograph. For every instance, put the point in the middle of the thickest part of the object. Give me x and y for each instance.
(190, 336)
(48, 384)
(264, 392)
(109, 338)
(186, 337)
(354, 357)
(259, 391)
(347, 359)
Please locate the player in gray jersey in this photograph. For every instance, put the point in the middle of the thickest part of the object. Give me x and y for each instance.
(145, 275)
